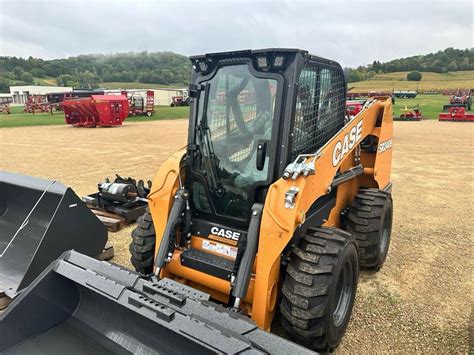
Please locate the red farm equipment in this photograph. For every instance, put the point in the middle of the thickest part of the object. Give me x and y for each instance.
(141, 103)
(56, 99)
(37, 103)
(5, 104)
(410, 114)
(179, 101)
(353, 107)
(462, 98)
(97, 110)
(456, 114)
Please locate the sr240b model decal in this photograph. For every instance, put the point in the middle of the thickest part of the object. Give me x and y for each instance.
(385, 146)
(348, 142)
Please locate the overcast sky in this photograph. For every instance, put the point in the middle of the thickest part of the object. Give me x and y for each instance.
(351, 32)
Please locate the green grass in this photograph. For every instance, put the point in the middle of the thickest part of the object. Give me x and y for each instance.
(430, 105)
(18, 118)
(163, 113)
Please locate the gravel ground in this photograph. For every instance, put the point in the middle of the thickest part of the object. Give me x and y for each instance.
(420, 302)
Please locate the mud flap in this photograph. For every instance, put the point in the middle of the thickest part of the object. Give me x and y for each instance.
(40, 220)
(82, 305)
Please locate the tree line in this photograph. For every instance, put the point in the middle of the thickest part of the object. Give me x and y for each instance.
(90, 71)
(449, 60)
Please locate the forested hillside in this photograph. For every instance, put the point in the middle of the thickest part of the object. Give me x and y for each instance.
(89, 71)
(449, 60)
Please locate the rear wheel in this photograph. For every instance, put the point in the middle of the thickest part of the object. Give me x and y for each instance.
(319, 288)
(370, 221)
(142, 247)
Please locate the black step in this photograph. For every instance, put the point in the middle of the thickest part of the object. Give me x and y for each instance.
(208, 263)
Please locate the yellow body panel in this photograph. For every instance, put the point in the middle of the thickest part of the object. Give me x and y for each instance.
(279, 223)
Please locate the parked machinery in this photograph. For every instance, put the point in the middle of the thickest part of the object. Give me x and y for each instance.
(353, 107)
(123, 197)
(96, 111)
(462, 98)
(5, 104)
(37, 104)
(179, 101)
(141, 102)
(410, 114)
(456, 114)
(405, 94)
(278, 198)
(56, 99)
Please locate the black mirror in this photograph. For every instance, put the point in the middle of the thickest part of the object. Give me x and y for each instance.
(261, 150)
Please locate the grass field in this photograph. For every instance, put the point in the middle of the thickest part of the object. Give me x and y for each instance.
(430, 105)
(429, 81)
(18, 118)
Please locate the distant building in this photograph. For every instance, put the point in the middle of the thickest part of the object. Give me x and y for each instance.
(20, 93)
(164, 96)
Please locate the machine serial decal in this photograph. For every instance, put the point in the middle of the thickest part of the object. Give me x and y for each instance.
(342, 147)
(385, 146)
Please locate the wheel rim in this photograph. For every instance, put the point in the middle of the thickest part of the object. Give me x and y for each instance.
(343, 294)
(384, 235)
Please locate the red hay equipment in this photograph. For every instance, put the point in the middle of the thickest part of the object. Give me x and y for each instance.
(410, 114)
(97, 110)
(456, 114)
(462, 98)
(5, 104)
(37, 103)
(141, 103)
(353, 107)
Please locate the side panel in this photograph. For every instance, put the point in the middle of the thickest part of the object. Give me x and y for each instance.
(279, 223)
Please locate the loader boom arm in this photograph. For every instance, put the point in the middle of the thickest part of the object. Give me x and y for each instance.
(279, 221)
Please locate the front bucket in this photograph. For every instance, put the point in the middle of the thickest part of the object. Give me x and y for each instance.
(80, 305)
(39, 220)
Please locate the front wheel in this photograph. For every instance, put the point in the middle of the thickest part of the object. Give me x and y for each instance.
(142, 246)
(319, 288)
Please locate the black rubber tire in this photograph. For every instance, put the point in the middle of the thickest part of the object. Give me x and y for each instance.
(142, 246)
(324, 260)
(369, 220)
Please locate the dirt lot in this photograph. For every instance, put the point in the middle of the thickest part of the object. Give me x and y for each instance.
(419, 302)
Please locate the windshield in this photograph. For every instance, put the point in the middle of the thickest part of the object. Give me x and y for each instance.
(235, 114)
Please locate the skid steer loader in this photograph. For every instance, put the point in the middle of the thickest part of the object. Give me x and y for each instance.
(269, 211)
(278, 197)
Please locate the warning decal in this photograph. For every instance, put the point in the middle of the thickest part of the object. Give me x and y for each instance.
(219, 248)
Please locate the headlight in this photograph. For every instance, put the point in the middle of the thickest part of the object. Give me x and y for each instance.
(278, 61)
(203, 66)
(262, 62)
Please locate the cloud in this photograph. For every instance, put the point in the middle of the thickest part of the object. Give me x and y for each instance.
(351, 32)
